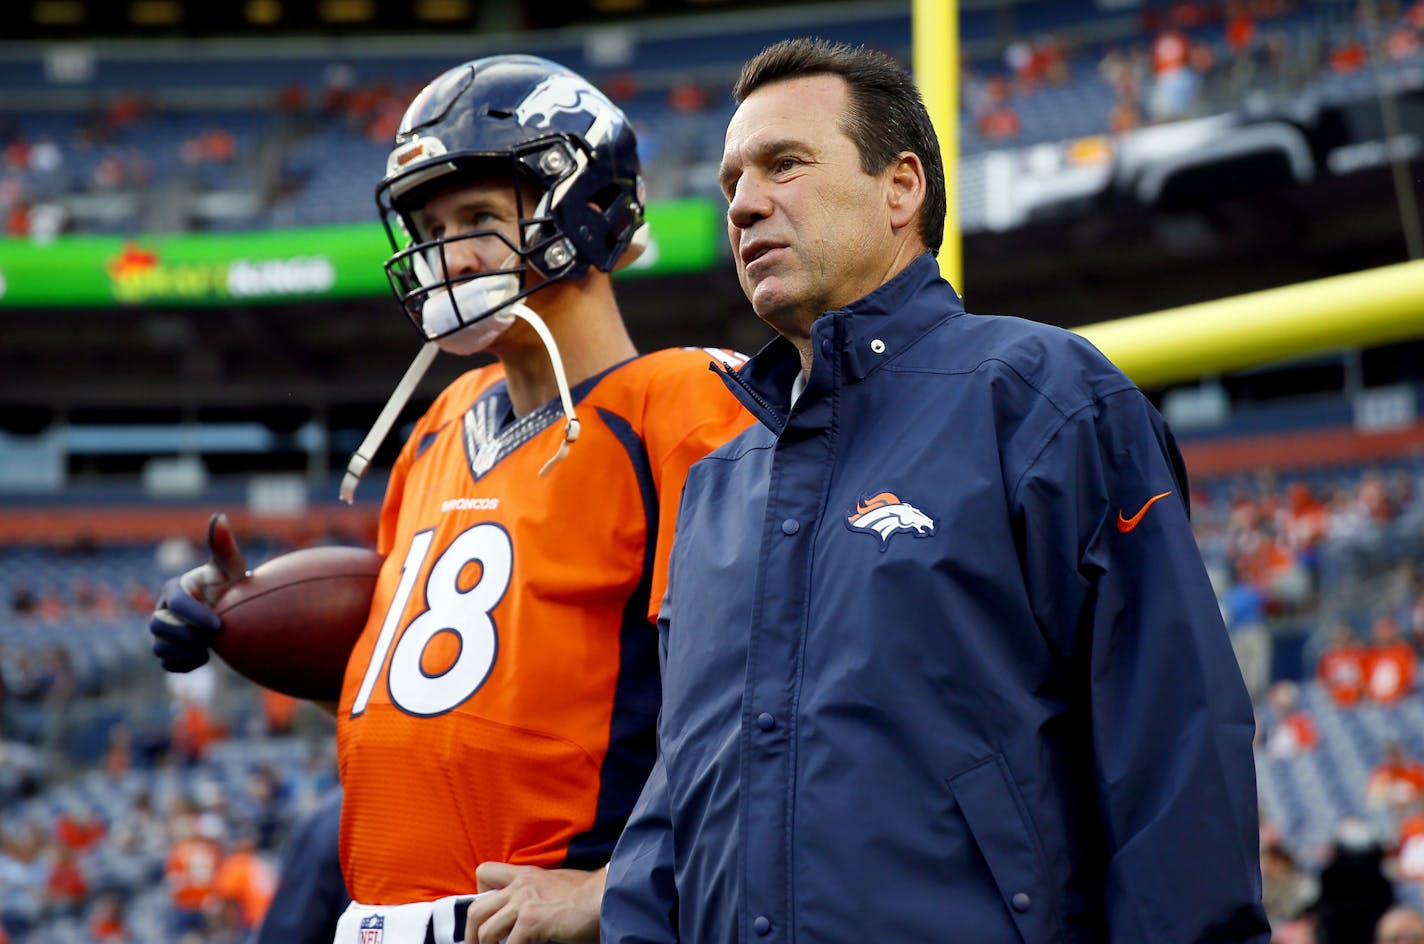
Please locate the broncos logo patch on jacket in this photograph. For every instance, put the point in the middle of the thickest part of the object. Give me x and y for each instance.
(884, 514)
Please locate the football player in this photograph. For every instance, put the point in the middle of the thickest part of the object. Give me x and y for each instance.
(496, 723)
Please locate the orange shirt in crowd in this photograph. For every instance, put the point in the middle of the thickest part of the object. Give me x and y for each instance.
(66, 883)
(1341, 671)
(1170, 51)
(278, 710)
(1411, 847)
(1389, 671)
(1395, 782)
(191, 870)
(78, 832)
(1295, 733)
(247, 881)
(194, 729)
(107, 927)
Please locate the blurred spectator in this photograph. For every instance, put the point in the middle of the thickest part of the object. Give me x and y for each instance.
(51, 607)
(194, 730)
(279, 712)
(1000, 123)
(1302, 523)
(1023, 65)
(91, 599)
(1125, 71)
(687, 98)
(216, 146)
(1341, 667)
(66, 886)
(1401, 925)
(23, 601)
(190, 870)
(1396, 782)
(1240, 34)
(22, 867)
(1354, 891)
(106, 918)
(292, 99)
(1409, 850)
(23, 771)
(1124, 115)
(1390, 663)
(1293, 730)
(126, 110)
(261, 803)
(1348, 56)
(337, 83)
(141, 833)
(1287, 890)
(622, 87)
(138, 598)
(78, 828)
(244, 883)
(1175, 82)
(1053, 60)
(1402, 43)
(119, 750)
(995, 115)
(1243, 608)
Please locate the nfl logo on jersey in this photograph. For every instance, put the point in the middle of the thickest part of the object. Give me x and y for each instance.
(373, 928)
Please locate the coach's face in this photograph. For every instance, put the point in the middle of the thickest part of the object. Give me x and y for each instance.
(810, 230)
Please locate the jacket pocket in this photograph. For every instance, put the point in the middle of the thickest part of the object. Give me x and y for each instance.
(997, 819)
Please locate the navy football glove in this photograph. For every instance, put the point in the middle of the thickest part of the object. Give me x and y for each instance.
(183, 623)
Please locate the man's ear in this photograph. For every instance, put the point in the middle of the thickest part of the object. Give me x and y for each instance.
(905, 186)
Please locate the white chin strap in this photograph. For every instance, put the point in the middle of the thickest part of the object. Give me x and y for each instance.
(571, 422)
(361, 458)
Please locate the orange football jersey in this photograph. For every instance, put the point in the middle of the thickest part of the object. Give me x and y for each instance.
(501, 702)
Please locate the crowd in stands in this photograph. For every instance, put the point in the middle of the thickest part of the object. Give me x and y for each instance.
(1343, 556)
(142, 807)
(1175, 60)
(147, 805)
(1186, 58)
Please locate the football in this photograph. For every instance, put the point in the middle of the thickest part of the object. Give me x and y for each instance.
(290, 625)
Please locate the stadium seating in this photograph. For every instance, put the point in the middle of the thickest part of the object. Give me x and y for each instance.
(307, 141)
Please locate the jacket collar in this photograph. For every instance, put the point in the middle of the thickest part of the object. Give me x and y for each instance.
(848, 343)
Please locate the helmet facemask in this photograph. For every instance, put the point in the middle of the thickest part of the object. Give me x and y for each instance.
(465, 311)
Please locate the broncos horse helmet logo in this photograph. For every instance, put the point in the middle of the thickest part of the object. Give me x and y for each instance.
(561, 93)
(884, 514)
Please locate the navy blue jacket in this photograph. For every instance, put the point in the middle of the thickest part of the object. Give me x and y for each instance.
(941, 660)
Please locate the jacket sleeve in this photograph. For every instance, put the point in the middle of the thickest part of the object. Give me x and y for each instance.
(1118, 585)
(640, 899)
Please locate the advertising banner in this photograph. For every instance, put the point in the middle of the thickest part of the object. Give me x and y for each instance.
(276, 266)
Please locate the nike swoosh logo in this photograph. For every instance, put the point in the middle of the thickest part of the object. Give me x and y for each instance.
(1127, 524)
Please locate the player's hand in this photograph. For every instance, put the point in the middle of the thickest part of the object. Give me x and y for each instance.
(529, 905)
(183, 623)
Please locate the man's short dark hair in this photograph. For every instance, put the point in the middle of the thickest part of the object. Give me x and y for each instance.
(885, 115)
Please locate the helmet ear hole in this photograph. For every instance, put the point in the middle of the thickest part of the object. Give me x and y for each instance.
(605, 197)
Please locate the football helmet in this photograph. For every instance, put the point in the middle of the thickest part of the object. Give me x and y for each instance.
(536, 123)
